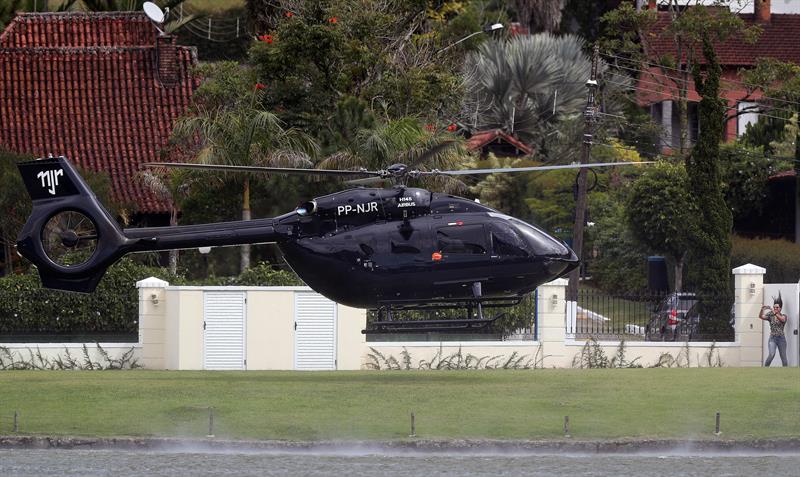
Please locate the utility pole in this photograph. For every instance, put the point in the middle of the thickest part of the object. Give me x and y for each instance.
(589, 116)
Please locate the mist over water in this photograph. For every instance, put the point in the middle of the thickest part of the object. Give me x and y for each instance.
(359, 461)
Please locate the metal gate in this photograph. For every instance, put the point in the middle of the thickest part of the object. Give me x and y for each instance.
(224, 330)
(315, 332)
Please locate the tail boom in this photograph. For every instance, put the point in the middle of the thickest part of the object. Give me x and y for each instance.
(72, 239)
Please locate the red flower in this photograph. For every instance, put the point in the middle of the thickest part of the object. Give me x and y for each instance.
(452, 128)
(333, 20)
(289, 14)
(260, 86)
(430, 127)
(267, 38)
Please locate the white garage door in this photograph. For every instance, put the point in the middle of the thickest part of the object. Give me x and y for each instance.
(223, 338)
(315, 332)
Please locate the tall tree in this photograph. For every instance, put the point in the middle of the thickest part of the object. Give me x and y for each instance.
(170, 186)
(711, 242)
(232, 129)
(661, 212)
(392, 55)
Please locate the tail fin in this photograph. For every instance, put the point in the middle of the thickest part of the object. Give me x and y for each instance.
(70, 236)
(72, 239)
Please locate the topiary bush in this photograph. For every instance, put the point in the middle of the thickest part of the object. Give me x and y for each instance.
(781, 258)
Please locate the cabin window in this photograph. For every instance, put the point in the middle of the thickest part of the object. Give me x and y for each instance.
(506, 242)
(461, 239)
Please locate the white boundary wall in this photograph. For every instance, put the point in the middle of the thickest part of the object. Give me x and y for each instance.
(171, 332)
(171, 327)
(555, 348)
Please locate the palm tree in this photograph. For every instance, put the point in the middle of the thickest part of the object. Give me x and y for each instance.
(170, 186)
(232, 130)
(526, 85)
(405, 141)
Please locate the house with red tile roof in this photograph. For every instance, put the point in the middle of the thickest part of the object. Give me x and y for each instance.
(497, 142)
(657, 89)
(102, 89)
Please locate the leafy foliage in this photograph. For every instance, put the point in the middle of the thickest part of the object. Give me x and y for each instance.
(232, 130)
(455, 361)
(26, 307)
(14, 202)
(744, 172)
(661, 212)
(10, 360)
(620, 263)
(385, 53)
(711, 243)
(512, 85)
(593, 356)
(265, 274)
(781, 258)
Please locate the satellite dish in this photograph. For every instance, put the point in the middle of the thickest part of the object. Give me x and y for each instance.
(153, 12)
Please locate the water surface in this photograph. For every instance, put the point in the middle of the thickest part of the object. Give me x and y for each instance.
(359, 462)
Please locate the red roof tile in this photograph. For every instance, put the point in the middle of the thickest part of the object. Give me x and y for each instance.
(76, 29)
(783, 175)
(87, 86)
(481, 138)
(778, 40)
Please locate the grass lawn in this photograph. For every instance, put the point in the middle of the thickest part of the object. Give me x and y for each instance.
(601, 403)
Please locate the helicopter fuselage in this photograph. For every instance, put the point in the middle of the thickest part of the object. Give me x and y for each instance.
(369, 248)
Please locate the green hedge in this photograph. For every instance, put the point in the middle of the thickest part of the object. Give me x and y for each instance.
(28, 309)
(781, 258)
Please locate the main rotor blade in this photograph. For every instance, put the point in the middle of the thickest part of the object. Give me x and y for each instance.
(366, 181)
(467, 172)
(273, 170)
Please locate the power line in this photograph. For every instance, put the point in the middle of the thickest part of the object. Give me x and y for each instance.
(674, 78)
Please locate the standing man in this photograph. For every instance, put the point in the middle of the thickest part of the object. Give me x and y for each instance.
(777, 321)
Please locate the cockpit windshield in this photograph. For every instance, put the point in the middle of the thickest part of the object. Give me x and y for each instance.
(535, 241)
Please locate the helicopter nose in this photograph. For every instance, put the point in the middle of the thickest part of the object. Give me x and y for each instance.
(557, 256)
(562, 263)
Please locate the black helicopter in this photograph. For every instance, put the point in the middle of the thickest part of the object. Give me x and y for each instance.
(382, 248)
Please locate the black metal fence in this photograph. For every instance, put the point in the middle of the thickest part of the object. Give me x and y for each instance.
(646, 317)
(515, 323)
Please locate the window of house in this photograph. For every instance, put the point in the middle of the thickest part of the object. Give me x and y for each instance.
(748, 114)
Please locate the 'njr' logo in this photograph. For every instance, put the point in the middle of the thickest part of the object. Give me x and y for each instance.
(50, 179)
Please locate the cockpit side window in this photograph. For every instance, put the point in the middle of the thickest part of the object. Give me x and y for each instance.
(461, 239)
(506, 242)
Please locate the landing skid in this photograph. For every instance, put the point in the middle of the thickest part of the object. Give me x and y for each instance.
(424, 326)
(387, 324)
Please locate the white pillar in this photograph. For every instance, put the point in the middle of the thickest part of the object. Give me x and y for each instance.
(551, 312)
(749, 295)
(152, 321)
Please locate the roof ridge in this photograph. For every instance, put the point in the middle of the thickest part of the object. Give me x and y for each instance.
(56, 15)
(79, 49)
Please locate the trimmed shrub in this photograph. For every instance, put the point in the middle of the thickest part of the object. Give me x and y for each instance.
(26, 307)
(781, 258)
